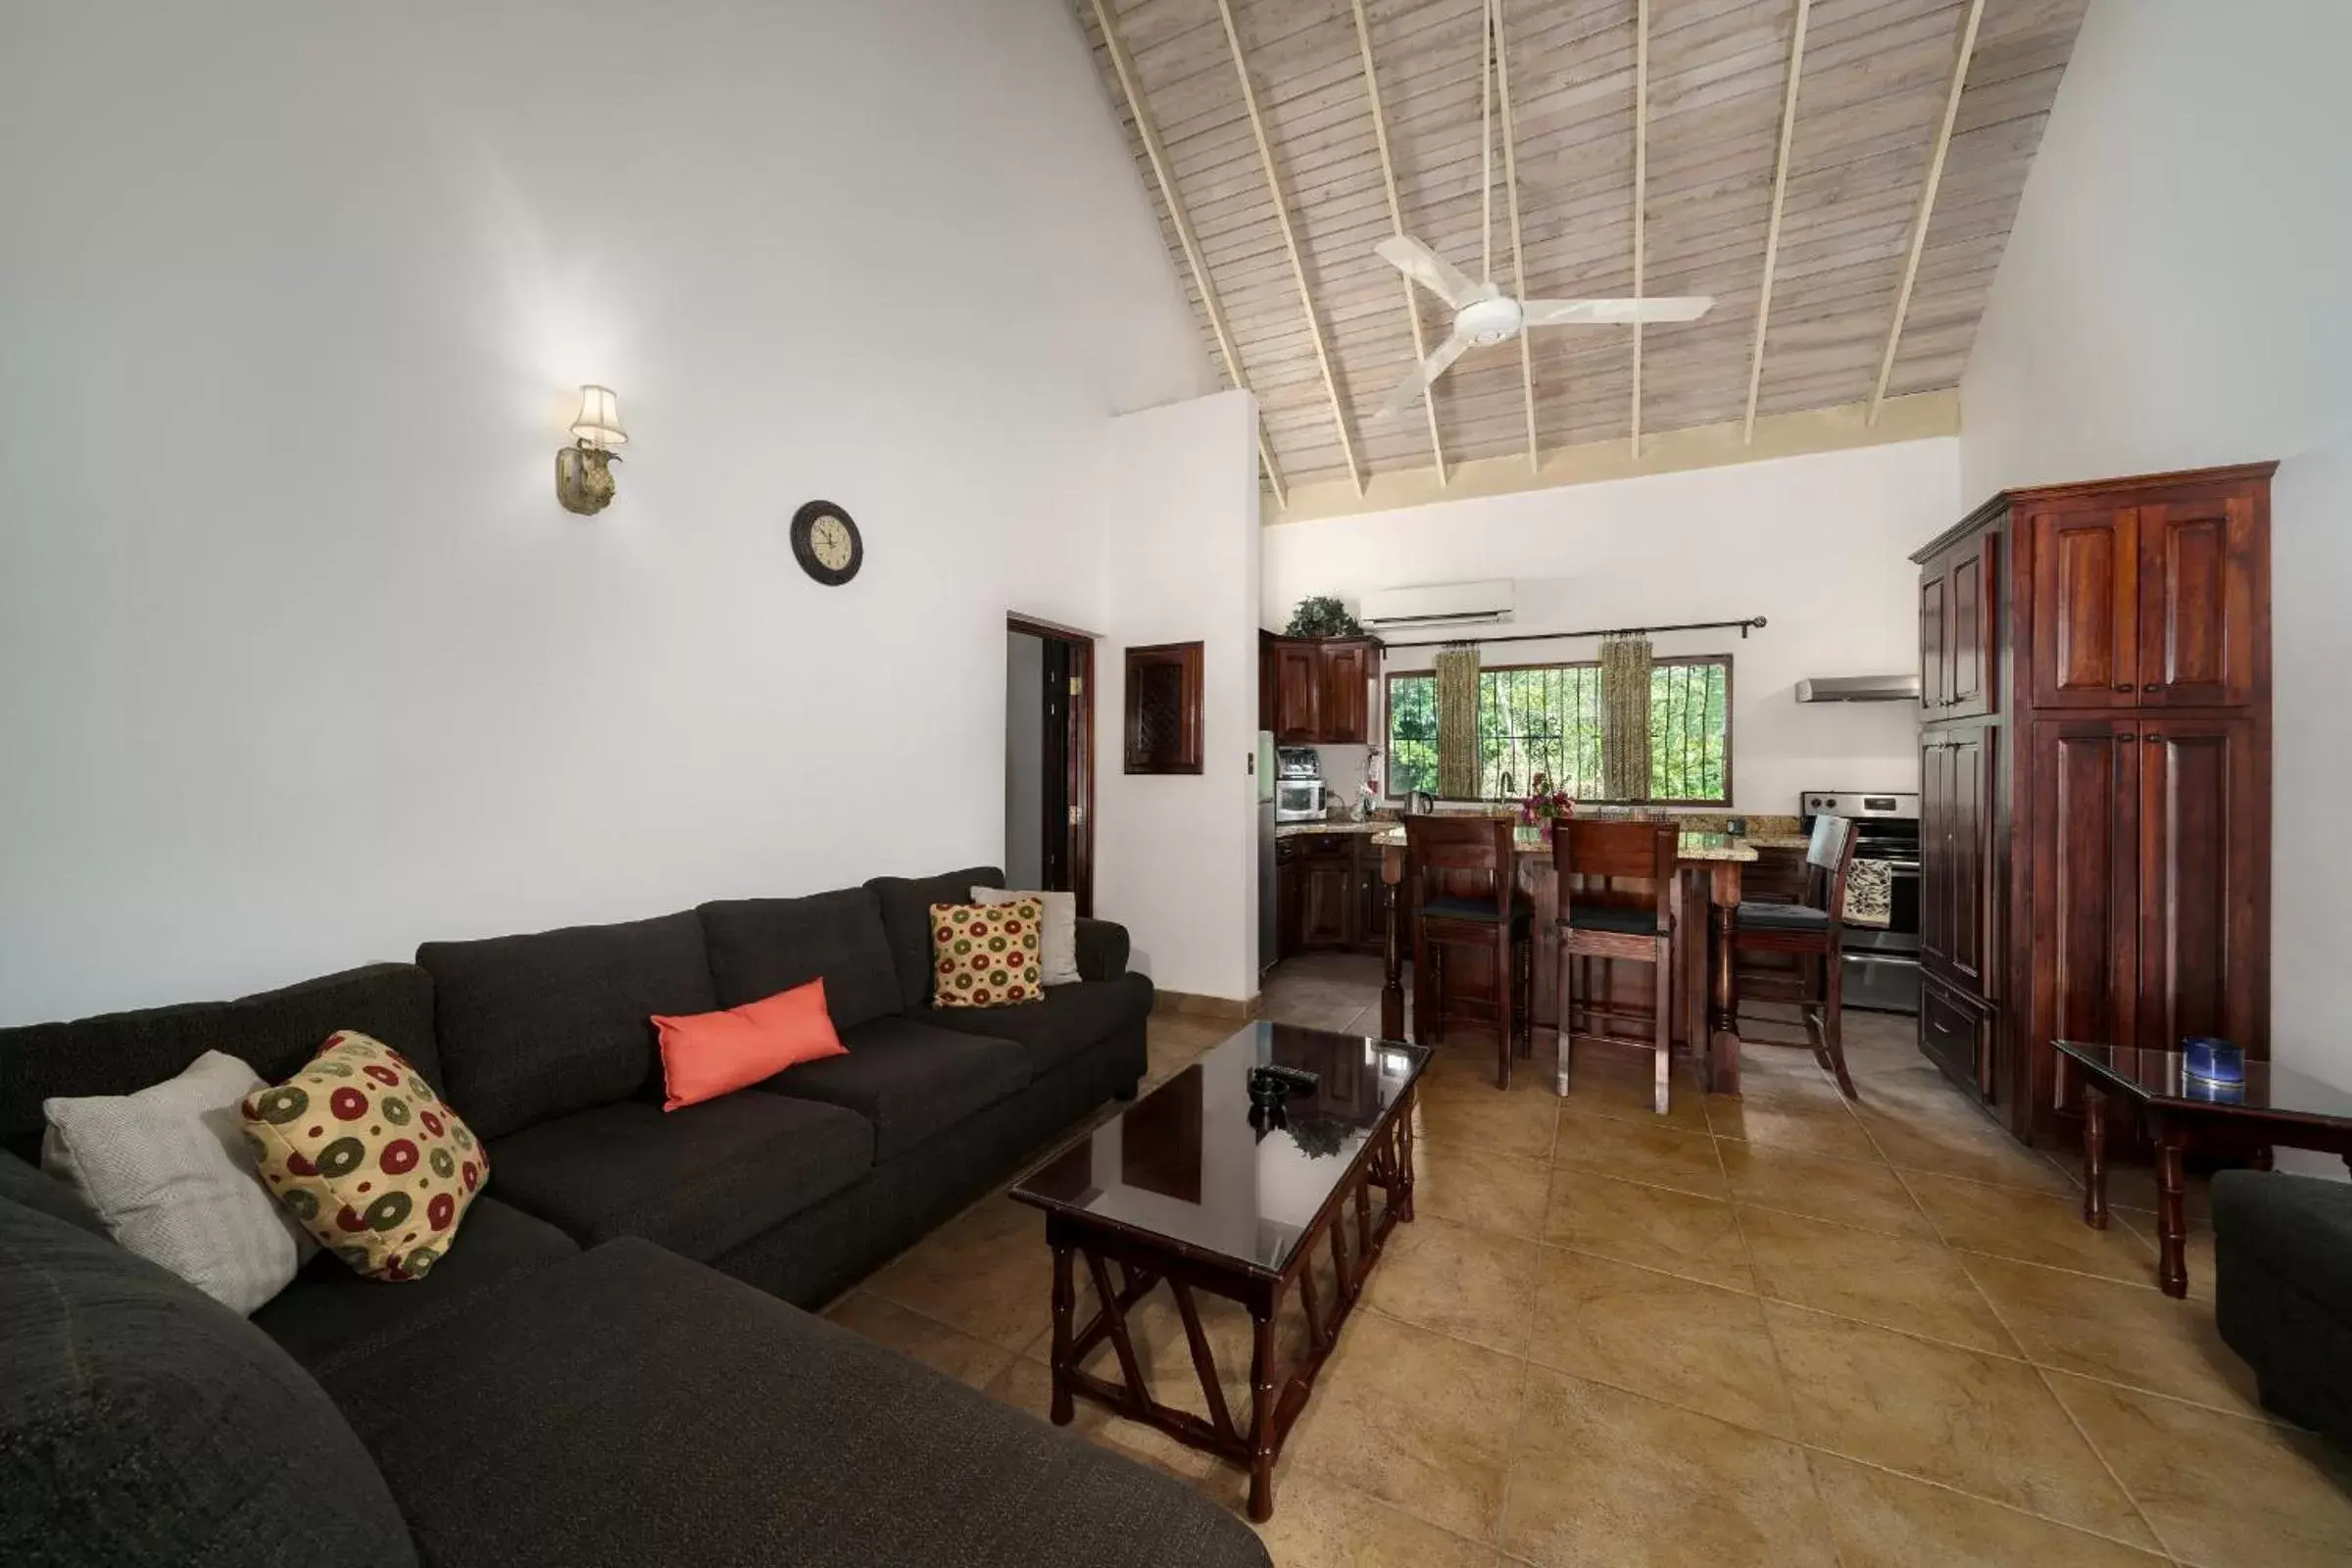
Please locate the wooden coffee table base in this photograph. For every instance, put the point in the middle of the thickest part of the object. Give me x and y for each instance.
(1144, 1262)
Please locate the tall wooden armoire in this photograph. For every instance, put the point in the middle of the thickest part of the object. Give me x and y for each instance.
(2094, 779)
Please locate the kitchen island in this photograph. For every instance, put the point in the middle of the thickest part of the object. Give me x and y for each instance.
(1712, 866)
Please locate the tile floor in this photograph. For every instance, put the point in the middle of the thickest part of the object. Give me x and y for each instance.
(1779, 1328)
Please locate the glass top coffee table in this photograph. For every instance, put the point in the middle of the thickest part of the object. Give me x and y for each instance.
(1196, 1187)
(2274, 1105)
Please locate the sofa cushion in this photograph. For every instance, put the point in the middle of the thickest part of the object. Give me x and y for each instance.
(537, 1026)
(272, 1032)
(2299, 1226)
(697, 1181)
(907, 921)
(704, 1422)
(1101, 948)
(706, 1054)
(760, 947)
(909, 1079)
(1066, 1023)
(330, 1315)
(986, 955)
(142, 1422)
(24, 1183)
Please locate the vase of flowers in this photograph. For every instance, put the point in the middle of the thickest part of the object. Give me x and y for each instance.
(1543, 803)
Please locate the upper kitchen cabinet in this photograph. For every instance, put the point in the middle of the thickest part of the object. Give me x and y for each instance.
(1957, 589)
(1317, 691)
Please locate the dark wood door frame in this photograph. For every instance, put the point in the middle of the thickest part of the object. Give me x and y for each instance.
(1075, 828)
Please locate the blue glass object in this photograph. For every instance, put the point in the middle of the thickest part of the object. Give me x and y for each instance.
(2208, 1061)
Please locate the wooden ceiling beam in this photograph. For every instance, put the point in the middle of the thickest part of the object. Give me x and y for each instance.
(1927, 203)
(1124, 68)
(1641, 190)
(1511, 181)
(1771, 229)
(1388, 179)
(1289, 238)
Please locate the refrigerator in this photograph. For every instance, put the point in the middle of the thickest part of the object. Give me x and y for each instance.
(1269, 946)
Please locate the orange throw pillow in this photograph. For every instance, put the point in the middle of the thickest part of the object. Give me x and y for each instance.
(706, 1054)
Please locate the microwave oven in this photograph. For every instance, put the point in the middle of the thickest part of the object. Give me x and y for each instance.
(1298, 800)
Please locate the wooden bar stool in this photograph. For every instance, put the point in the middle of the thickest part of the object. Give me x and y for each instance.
(1604, 919)
(1464, 872)
(1812, 932)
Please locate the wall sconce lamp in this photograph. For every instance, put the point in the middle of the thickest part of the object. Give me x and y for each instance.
(584, 469)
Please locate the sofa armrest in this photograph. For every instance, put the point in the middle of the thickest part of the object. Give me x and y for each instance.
(1101, 950)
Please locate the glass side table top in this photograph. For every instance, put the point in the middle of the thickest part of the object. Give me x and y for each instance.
(2163, 1075)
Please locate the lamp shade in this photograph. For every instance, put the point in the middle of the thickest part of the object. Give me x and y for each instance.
(599, 421)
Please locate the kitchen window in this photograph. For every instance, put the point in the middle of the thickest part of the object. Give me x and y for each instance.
(1546, 718)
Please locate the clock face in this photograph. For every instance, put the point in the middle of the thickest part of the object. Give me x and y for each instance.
(826, 543)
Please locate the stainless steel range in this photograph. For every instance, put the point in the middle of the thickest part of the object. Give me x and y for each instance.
(1881, 966)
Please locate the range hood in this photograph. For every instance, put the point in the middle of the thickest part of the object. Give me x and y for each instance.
(1859, 689)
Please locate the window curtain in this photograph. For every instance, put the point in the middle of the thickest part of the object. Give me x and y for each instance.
(1624, 717)
(1457, 722)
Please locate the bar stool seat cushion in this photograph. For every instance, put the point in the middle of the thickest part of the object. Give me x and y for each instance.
(1785, 916)
(1482, 910)
(1624, 918)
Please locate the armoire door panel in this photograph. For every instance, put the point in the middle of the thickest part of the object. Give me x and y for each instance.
(1934, 648)
(1935, 877)
(2199, 577)
(1297, 694)
(2200, 943)
(2085, 877)
(1968, 771)
(2086, 608)
(1968, 683)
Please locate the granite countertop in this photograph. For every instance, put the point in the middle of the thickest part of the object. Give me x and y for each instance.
(1291, 830)
(1693, 845)
(1778, 841)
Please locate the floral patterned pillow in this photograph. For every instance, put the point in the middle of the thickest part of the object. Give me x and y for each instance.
(363, 1152)
(986, 955)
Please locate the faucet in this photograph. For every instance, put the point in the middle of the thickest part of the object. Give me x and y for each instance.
(1419, 802)
(1509, 793)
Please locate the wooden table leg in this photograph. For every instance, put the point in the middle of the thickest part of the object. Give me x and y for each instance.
(2172, 1211)
(1063, 1302)
(1391, 990)
(1723, 1043)
(2095, 1159)
(1261, 1411)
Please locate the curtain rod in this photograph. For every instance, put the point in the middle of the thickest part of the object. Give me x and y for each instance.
(1752, 621)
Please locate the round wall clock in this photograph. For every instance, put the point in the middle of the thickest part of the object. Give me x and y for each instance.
(826, 543)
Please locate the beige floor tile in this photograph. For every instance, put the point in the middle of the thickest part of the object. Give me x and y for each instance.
(1028, 1385)
(1417, 1420)
(2032, 1229)
(959, 1354)
(1624, 1086)
(2197, 1253)
(987, 1272)
(1899, 1282)
(1846, 1190)
(1972, 1149)
(2109, 1329)
(2134, 1187)
(1319, 1523)
(1673, 1338)
(1471, 1186)
(1471, 1284)
(1891, 1521)
(1680, 1233)
(1818, 1131)
(1662, 1156)
(2223, 1492)
(1981, 1423)
(1491, 1119)
(1163, 1352)
(1604, 1477)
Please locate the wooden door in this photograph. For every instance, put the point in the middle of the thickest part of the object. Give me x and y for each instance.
(1969, 641)
(2204, 860)
(1326, 901)
(1935, 855)
(2085, 650)
(1297, 694)
(2203, 605)
(1345, 670)
(2083, 874)
(1967, 855)
(1934, 646)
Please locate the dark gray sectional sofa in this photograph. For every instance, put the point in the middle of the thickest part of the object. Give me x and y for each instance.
(611, 1366)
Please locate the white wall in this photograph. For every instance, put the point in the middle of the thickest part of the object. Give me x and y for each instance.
(1817, 545)
(2173, 297)
(300, 661)
(1178, 852)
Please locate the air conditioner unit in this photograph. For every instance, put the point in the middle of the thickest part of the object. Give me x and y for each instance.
(1444, 603)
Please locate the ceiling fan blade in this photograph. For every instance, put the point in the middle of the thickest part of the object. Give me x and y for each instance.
(1409, 391)
(1428, 268)
(1611, 312)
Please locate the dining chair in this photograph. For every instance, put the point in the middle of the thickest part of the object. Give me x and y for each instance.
(1811, 931)
(1463, 872)
(1618, 899)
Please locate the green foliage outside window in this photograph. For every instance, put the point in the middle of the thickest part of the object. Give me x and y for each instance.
(1546, 718)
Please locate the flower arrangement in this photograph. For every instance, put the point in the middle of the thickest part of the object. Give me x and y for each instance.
(1543, 802)
(1322, 616)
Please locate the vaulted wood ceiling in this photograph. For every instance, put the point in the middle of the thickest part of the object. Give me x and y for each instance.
(1258, 126)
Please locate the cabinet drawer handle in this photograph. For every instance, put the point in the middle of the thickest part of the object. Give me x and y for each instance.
(2149, 687)
(2123, 685)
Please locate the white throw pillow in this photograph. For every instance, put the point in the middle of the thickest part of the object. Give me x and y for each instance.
(1057, 960)
(169, 1172)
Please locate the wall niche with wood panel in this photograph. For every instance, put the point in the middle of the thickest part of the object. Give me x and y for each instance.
(1162, 722)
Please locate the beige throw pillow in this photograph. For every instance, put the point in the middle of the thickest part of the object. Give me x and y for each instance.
(1059, 955)
(169, 1172)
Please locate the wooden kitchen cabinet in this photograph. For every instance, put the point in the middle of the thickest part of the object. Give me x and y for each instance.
(1956, 782)
(2201, 577)
(1329, 897)
(2204, 902)
(1956, 597)
(1314, 691)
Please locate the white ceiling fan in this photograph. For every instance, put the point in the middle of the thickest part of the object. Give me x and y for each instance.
(1483, 313)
